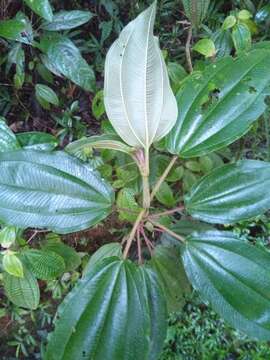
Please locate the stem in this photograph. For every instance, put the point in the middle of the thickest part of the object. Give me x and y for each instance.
(163, 177)
(168, 212)
(146, 192)
(133, 233)
(188, 56)
(168, 231)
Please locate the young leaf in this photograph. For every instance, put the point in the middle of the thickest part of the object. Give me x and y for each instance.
(12, 29)
(12, 264)
(41, 8)
(51, 190)
(169, 269)
(231, 193)
(234, 277)
(45, 265)
(229, 22)
(7, 236)
(45, 93)
(65, 20)
(138, 99)
(98, 107)
(219, 105)
(8, 139)
(36, 140)
(105, 251)
(63, 57)
(23, 292)
(109, 315)
(205, 47)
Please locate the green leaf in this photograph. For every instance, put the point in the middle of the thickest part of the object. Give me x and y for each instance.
(196, 10)
(233, 276)
(8, 139)
(176, 74)
(8, 236)
(108, 315)
(263, 15)
(105, 251)
(51, 190)
(241, 37)
(205, 47)
(71, 258)
(219, 105)
(86, 144)
(12, 264)
(244, 15)
(65, 58)
(45, 265)
(12, 29)
(168, 266)
(231, 193)
(165, 195)
(223, 42)
(64, 20)
(45, 93)
(229, 22)
(126, 200)
(23, 292)
(98, 107)
(41, 8)
(138, 99)
(36, 140)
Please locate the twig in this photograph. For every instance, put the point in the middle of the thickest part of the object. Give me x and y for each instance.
(163, 177)
(148, 243)
(188, 55)
(132, 233)
(168, 212)
(170, 232)
(35, 234)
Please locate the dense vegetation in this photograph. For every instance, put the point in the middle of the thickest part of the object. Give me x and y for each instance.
(180, 189)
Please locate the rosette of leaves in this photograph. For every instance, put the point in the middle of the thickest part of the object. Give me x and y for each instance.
(118, 309)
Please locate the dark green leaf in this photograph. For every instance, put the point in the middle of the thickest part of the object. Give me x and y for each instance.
(231, 193)
(45, 265)
(263, 15)
(51, 190)
(64, 20)
(65, 58)
(105, 251)
(45, 93)
(223, 42)
(41, 8)
(35, 140)
(23, 292)
(8, 140)
(234, 277)
(196, 10)
(165, 195)
(109, 316)
(219, 105)
(126, 200)
(241, 37)
(167, 265)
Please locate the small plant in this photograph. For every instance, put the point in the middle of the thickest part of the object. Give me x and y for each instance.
(118, 310)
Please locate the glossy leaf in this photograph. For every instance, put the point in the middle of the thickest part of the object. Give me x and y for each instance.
(108, 315)
(241, 37)
(64, 20)
(8, 139)
(105, 251)
(138, 99)
(45, 93)
(12, 264)
(263, 15)
(23, 292)
(45, 265)
(169, 269)
(64, 58)
(11, 29)
(233, 276)
(51, 190)
(231, 193)
(219, 105)
(41, 8)
(36, 140)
